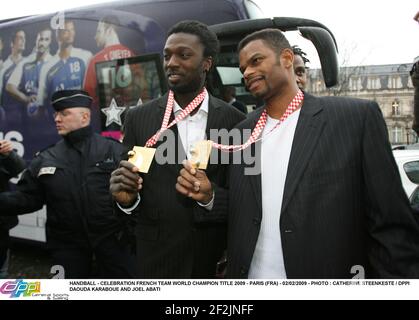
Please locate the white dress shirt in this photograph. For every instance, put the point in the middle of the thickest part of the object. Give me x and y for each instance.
(191, 129)
(268, 260)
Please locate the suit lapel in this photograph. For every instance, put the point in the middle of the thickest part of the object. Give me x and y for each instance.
(256, 179)
(307, 132)
(213, 121)
(162, 108)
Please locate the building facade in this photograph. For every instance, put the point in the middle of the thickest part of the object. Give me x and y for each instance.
(389, 85)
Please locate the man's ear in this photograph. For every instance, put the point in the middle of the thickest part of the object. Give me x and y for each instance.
(287, 58)
(207, 64)
(86, 115)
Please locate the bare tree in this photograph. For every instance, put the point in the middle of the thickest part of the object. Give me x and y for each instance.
(347, 76)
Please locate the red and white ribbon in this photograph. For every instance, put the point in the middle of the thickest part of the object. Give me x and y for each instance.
(169, 109)
(260, 125)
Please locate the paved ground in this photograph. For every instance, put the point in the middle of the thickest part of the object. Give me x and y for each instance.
(29, 262)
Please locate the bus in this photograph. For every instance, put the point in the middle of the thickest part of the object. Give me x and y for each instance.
(113, 51)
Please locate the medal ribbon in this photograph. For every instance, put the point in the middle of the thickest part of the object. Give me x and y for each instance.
(169, 109)
(260, 125)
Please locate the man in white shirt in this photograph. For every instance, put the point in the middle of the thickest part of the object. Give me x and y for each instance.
(175, 236)
(328, 198)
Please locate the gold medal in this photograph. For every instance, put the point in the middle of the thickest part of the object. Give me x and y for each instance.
(141, 157)
(200, 153)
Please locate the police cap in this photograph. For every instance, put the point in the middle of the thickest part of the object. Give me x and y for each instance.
(64, 99)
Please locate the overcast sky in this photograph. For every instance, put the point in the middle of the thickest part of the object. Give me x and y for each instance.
(367, 31)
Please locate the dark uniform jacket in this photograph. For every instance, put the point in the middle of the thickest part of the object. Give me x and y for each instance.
(176, 238)
(72, 179)
(10, 166)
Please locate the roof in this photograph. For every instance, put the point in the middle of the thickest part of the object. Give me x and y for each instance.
(406, 155)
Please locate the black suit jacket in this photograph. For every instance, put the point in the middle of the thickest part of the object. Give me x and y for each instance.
(343, 203)
(240, 106)
(176, 238)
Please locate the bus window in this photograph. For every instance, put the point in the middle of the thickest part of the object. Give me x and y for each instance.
(230, 75)
(126, 83)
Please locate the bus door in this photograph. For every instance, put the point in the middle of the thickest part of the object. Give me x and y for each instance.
(230, 34)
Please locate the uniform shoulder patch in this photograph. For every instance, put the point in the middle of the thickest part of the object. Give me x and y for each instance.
(44, 149)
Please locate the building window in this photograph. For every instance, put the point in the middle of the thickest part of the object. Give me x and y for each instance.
(355, 83)
(396, 82)
(396, 135)
(395, 108)
(384, 82)
(374, 83)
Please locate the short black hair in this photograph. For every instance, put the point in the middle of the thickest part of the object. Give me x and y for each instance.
(14, 35)
(207, 37)
(298, 52)
(111, 21)
(58, 30)
(45, 28)
(229, 90)
(274, 38)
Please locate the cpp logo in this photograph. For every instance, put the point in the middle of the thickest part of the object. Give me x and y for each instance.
(20, 287)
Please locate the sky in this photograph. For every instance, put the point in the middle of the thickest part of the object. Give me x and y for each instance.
(368, 32)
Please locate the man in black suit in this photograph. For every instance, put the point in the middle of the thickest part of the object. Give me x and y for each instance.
(300, 68)
(229, 96)
(176, 238)
(325, 199)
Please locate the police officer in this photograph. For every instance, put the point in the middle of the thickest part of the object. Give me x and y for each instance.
(10, 166)
(72, 179)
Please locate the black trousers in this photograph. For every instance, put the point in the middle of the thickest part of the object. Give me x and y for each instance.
(111, 259)
(4, 245)
(4, 248)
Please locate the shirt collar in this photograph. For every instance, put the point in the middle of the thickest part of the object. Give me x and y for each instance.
(203, 108)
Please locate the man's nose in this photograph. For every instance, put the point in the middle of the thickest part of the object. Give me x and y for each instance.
(172, 62)
(247, 73)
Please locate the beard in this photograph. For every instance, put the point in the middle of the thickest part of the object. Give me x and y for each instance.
(189, 87)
